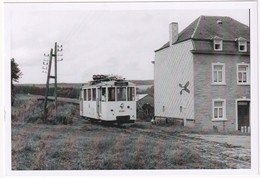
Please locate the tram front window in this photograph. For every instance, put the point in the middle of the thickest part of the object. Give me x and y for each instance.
(121, 94)
(111, 94)
(130, 94)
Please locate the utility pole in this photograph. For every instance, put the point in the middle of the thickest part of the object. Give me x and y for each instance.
(53, 53)
(55, 64)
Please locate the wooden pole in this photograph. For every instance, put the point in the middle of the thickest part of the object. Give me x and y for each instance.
(47, 86)
(55, 63)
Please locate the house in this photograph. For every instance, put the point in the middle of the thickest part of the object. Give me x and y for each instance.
(145, 106)
(202, 75)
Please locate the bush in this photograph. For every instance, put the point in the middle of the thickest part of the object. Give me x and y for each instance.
(65, 113)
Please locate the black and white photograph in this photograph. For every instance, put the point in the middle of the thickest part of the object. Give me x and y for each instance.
(112, 87)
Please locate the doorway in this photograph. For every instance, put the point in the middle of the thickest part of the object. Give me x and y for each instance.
(243, 114)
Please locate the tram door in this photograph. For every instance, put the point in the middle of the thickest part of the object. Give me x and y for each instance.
(81, 100)
(99, 111)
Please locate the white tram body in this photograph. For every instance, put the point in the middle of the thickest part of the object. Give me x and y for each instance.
(108, 100)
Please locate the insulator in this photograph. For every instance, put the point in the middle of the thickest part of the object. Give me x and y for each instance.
(46, 55)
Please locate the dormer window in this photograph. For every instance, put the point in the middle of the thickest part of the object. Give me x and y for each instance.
(242, 44)
(218, 43)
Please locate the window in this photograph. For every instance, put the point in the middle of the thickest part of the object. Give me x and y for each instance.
(103, 94)
(121, 93)
(218, 73)
(219, 110)
(130, 94)
(111, 94)
(242, 44)
(93, 94)
(85, 94)
(89, 94)
(218, 43)
(243, 73)
(242, 47)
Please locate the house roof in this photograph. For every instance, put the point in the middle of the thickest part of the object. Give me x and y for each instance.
(140, 96)
(208, 27)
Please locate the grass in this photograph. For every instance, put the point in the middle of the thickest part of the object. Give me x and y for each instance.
(79, 145)
(66, 147)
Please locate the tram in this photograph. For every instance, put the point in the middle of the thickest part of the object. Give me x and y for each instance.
(108, 98)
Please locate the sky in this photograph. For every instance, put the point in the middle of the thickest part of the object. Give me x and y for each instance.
(97, 38)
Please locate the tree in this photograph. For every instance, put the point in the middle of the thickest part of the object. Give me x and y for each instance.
(150, 90)
(15, 75)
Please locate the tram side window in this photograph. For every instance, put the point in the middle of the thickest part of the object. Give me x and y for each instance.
(85, 94)
(130, 94)
(93, 94)
(111, 94)
(103, 94)
(89, 94)
(121, 93)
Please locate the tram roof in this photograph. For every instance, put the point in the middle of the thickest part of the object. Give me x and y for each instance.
(109, 83)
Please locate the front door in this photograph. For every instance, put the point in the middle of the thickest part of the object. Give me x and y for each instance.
(243, 109)
(99, 109)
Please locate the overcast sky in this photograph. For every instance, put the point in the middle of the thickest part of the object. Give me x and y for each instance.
(96, 38)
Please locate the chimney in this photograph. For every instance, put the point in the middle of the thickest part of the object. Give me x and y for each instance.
(173, 29)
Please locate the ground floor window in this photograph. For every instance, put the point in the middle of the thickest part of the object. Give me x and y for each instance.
(219, 109)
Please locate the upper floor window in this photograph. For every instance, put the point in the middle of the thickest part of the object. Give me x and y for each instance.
(243, 73)
(218, 73)
(218, 43)
(242, 44)
(219, 110)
